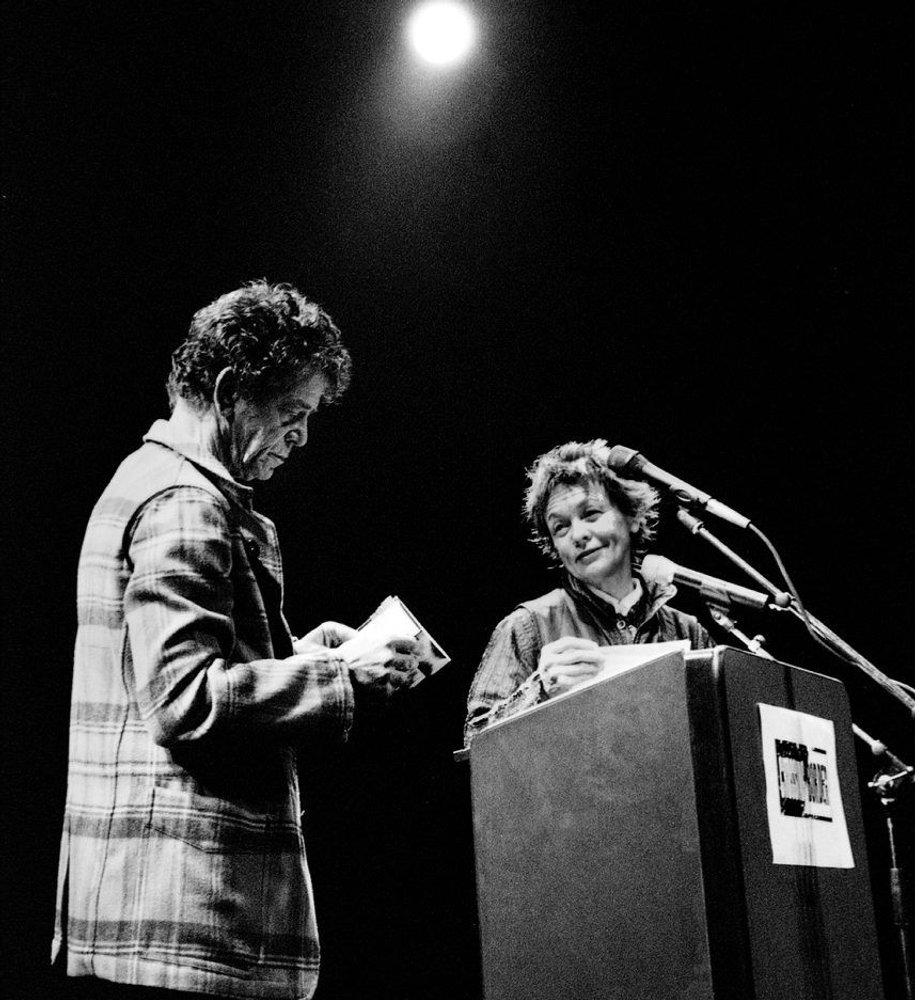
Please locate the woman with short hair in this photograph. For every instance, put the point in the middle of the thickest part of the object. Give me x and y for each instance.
(596, 526)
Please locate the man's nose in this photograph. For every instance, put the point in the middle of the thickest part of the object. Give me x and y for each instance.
(297, 436)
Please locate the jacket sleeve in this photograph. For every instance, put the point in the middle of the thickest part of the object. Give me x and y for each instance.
(508, 678)
(178, 603)
(697, 634)
(700, 638)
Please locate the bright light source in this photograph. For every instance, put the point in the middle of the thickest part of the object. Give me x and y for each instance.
(441, 32)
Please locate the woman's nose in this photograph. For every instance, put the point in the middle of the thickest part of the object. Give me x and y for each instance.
(581, 532)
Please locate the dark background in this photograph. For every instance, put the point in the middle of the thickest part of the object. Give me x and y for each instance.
(686, 231)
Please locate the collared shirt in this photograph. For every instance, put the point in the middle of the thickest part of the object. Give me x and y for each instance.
(183, 863)
(622, 605)
(508, 678)
(163, 433)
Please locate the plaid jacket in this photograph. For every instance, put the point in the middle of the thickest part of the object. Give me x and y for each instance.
(182, 860)
(508, 679)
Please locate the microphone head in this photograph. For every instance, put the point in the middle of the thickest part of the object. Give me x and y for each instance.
(620, 456)
(658, 569)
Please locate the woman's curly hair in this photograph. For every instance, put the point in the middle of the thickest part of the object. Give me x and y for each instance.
(585, 464)
(267, 334)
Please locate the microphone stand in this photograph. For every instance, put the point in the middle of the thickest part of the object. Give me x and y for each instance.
(829, 638)
(721, 618)
(890, 782)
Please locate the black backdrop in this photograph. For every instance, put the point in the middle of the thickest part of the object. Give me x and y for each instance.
(685, 231)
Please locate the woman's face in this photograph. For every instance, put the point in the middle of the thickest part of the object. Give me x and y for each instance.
(591, 536)
(261, 435)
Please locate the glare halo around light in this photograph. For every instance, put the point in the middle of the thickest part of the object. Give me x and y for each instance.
(441, 32)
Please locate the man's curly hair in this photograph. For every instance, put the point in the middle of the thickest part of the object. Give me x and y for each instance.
(585, 464)
(267, 334)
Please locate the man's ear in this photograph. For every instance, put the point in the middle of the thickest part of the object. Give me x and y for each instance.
(225, 392)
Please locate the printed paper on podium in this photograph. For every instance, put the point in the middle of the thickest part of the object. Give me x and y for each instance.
(803, 795)
(393, 617)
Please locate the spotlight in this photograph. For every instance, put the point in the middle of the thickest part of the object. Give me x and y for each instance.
(441, 32)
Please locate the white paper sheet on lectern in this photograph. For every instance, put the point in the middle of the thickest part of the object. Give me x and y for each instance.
(803, 796)
(625, 657)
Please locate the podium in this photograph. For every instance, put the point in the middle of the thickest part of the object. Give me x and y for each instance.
(623, 848)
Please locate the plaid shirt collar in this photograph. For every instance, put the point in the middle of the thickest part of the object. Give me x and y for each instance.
(162, 433)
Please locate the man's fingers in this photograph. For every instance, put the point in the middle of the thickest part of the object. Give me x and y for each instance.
(403, 644)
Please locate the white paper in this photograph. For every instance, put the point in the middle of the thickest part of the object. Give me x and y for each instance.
(803, 797)
(619, 659)
(394, 618)
(627, 656)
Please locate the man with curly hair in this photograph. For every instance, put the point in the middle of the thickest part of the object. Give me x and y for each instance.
(183, 866)
(595, 525)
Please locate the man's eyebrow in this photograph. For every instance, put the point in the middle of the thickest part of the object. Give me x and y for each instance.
(297, 403)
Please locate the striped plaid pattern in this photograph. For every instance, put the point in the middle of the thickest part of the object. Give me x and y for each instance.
(508, 679)
(182, 860)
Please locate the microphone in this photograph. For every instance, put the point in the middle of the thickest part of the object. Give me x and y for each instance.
(629, 463)
(710, 587)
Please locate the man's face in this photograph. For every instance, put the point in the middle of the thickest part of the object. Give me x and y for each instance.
(591, 537)
(263, 434)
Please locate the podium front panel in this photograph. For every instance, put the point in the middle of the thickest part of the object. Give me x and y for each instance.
(587, 846)
(622, 845)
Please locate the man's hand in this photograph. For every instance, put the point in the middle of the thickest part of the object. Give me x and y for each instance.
(386, 666)
(330, 635)
(565, 663)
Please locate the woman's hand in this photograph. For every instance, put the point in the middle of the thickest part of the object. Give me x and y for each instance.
(565, 663)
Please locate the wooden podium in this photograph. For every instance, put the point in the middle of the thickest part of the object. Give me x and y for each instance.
(623, 850)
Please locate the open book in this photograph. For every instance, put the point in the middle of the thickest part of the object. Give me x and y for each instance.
(393, 617)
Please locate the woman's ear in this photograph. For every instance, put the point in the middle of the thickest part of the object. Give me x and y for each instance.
(225, 392)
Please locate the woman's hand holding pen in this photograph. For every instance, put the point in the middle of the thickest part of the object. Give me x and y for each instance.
(567, 662)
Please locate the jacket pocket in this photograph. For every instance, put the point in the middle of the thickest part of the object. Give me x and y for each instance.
(204, 892)
(210, 824)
